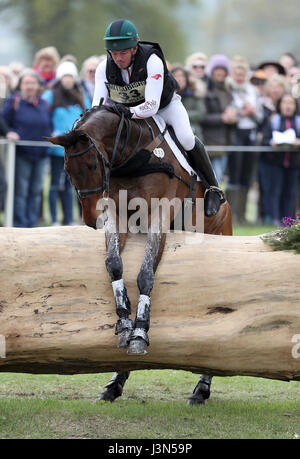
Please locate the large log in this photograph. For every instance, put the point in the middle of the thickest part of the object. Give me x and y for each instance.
(221, 305)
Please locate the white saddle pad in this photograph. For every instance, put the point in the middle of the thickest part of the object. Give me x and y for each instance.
(177, 153)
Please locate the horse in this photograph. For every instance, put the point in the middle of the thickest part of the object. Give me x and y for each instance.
(106, 153)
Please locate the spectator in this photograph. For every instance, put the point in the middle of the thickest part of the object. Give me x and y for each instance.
(45, 62)
(67, 103)
(279, 171)
(220, 117)
(68, 58)
(287, 60)
(275, 87)
(242, 165)
(7, 83)
(272, 68)
(87, 73)
(16, 68)
(259, 79)
(293, 75)
(191, 97)
(28, 118)
(293, 79)
(196, 64)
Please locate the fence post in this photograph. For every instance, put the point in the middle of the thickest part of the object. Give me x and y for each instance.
(10, 180)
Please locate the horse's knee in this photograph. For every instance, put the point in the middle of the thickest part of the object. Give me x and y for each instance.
(114, 266)
(145, 280)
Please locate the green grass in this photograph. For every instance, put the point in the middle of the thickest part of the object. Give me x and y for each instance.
(252, 230)
(153, 405)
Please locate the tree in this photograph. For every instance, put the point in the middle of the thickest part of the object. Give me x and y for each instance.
(78, 26)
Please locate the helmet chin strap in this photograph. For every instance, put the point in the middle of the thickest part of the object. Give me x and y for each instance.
(133, 53)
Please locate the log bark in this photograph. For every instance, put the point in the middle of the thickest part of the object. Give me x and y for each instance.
(220, 305)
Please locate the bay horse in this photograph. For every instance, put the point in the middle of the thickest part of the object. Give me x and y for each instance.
(106, 153)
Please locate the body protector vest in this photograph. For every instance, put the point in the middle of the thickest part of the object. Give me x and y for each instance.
(134, 93)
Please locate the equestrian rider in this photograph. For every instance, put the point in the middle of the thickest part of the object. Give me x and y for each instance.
(135, 77)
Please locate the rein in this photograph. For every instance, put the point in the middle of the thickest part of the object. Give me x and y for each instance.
(107, 166)
(104, 163)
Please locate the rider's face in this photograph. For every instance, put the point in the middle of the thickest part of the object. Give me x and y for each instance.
(122, 57)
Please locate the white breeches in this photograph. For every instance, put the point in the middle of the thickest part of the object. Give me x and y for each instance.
(176, 115)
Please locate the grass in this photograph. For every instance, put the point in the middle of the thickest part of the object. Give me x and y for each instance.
(153, 405)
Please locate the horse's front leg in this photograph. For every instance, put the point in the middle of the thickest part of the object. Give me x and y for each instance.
(202, 391)
(114, 267)
(139, 339)
(114, 388)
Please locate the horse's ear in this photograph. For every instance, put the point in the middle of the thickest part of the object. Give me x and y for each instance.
(68, 139)
(58, 140)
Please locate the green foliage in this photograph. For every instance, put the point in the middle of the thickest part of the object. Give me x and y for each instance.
(287, 238)
(78, 26)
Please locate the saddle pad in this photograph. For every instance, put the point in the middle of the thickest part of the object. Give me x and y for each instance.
(177, 153)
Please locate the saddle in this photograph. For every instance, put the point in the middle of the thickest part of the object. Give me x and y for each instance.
(139, 164)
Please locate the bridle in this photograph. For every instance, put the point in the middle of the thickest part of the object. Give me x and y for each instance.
(104, 163)
(106, 166)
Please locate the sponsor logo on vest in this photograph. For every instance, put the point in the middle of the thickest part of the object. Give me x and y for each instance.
(157, 76)
(149, 105)
(128, 94)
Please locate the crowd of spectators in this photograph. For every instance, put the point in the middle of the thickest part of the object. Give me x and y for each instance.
(35, 103)
(229, 102)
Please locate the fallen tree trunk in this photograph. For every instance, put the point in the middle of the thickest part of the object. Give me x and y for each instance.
(221, 305)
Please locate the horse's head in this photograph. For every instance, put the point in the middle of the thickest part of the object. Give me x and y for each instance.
(87, 165)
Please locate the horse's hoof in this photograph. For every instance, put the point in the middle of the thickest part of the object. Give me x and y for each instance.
(196, 400)
(111, 393)
(124, 328)
(137, 346)
(106, 396)
(124, 338)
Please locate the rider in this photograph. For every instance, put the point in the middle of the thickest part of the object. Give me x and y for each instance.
(135, 77)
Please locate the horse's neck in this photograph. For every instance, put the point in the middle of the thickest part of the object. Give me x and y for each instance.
(136, 136)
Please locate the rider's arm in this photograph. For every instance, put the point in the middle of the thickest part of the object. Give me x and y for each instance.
(100, 87)
(153, 89)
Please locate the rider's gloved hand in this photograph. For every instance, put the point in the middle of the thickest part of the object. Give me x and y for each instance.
(122, 109)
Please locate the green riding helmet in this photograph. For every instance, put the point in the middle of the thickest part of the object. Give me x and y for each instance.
(121, 34)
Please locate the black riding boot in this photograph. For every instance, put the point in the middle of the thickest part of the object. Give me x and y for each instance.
(199, 160)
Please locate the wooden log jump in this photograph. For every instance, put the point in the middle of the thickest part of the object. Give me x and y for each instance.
(220, 305)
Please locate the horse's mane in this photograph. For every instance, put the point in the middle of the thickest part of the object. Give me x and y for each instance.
(71, 137)
(88, 113)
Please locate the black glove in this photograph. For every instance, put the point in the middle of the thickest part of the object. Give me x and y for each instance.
(122, 109)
